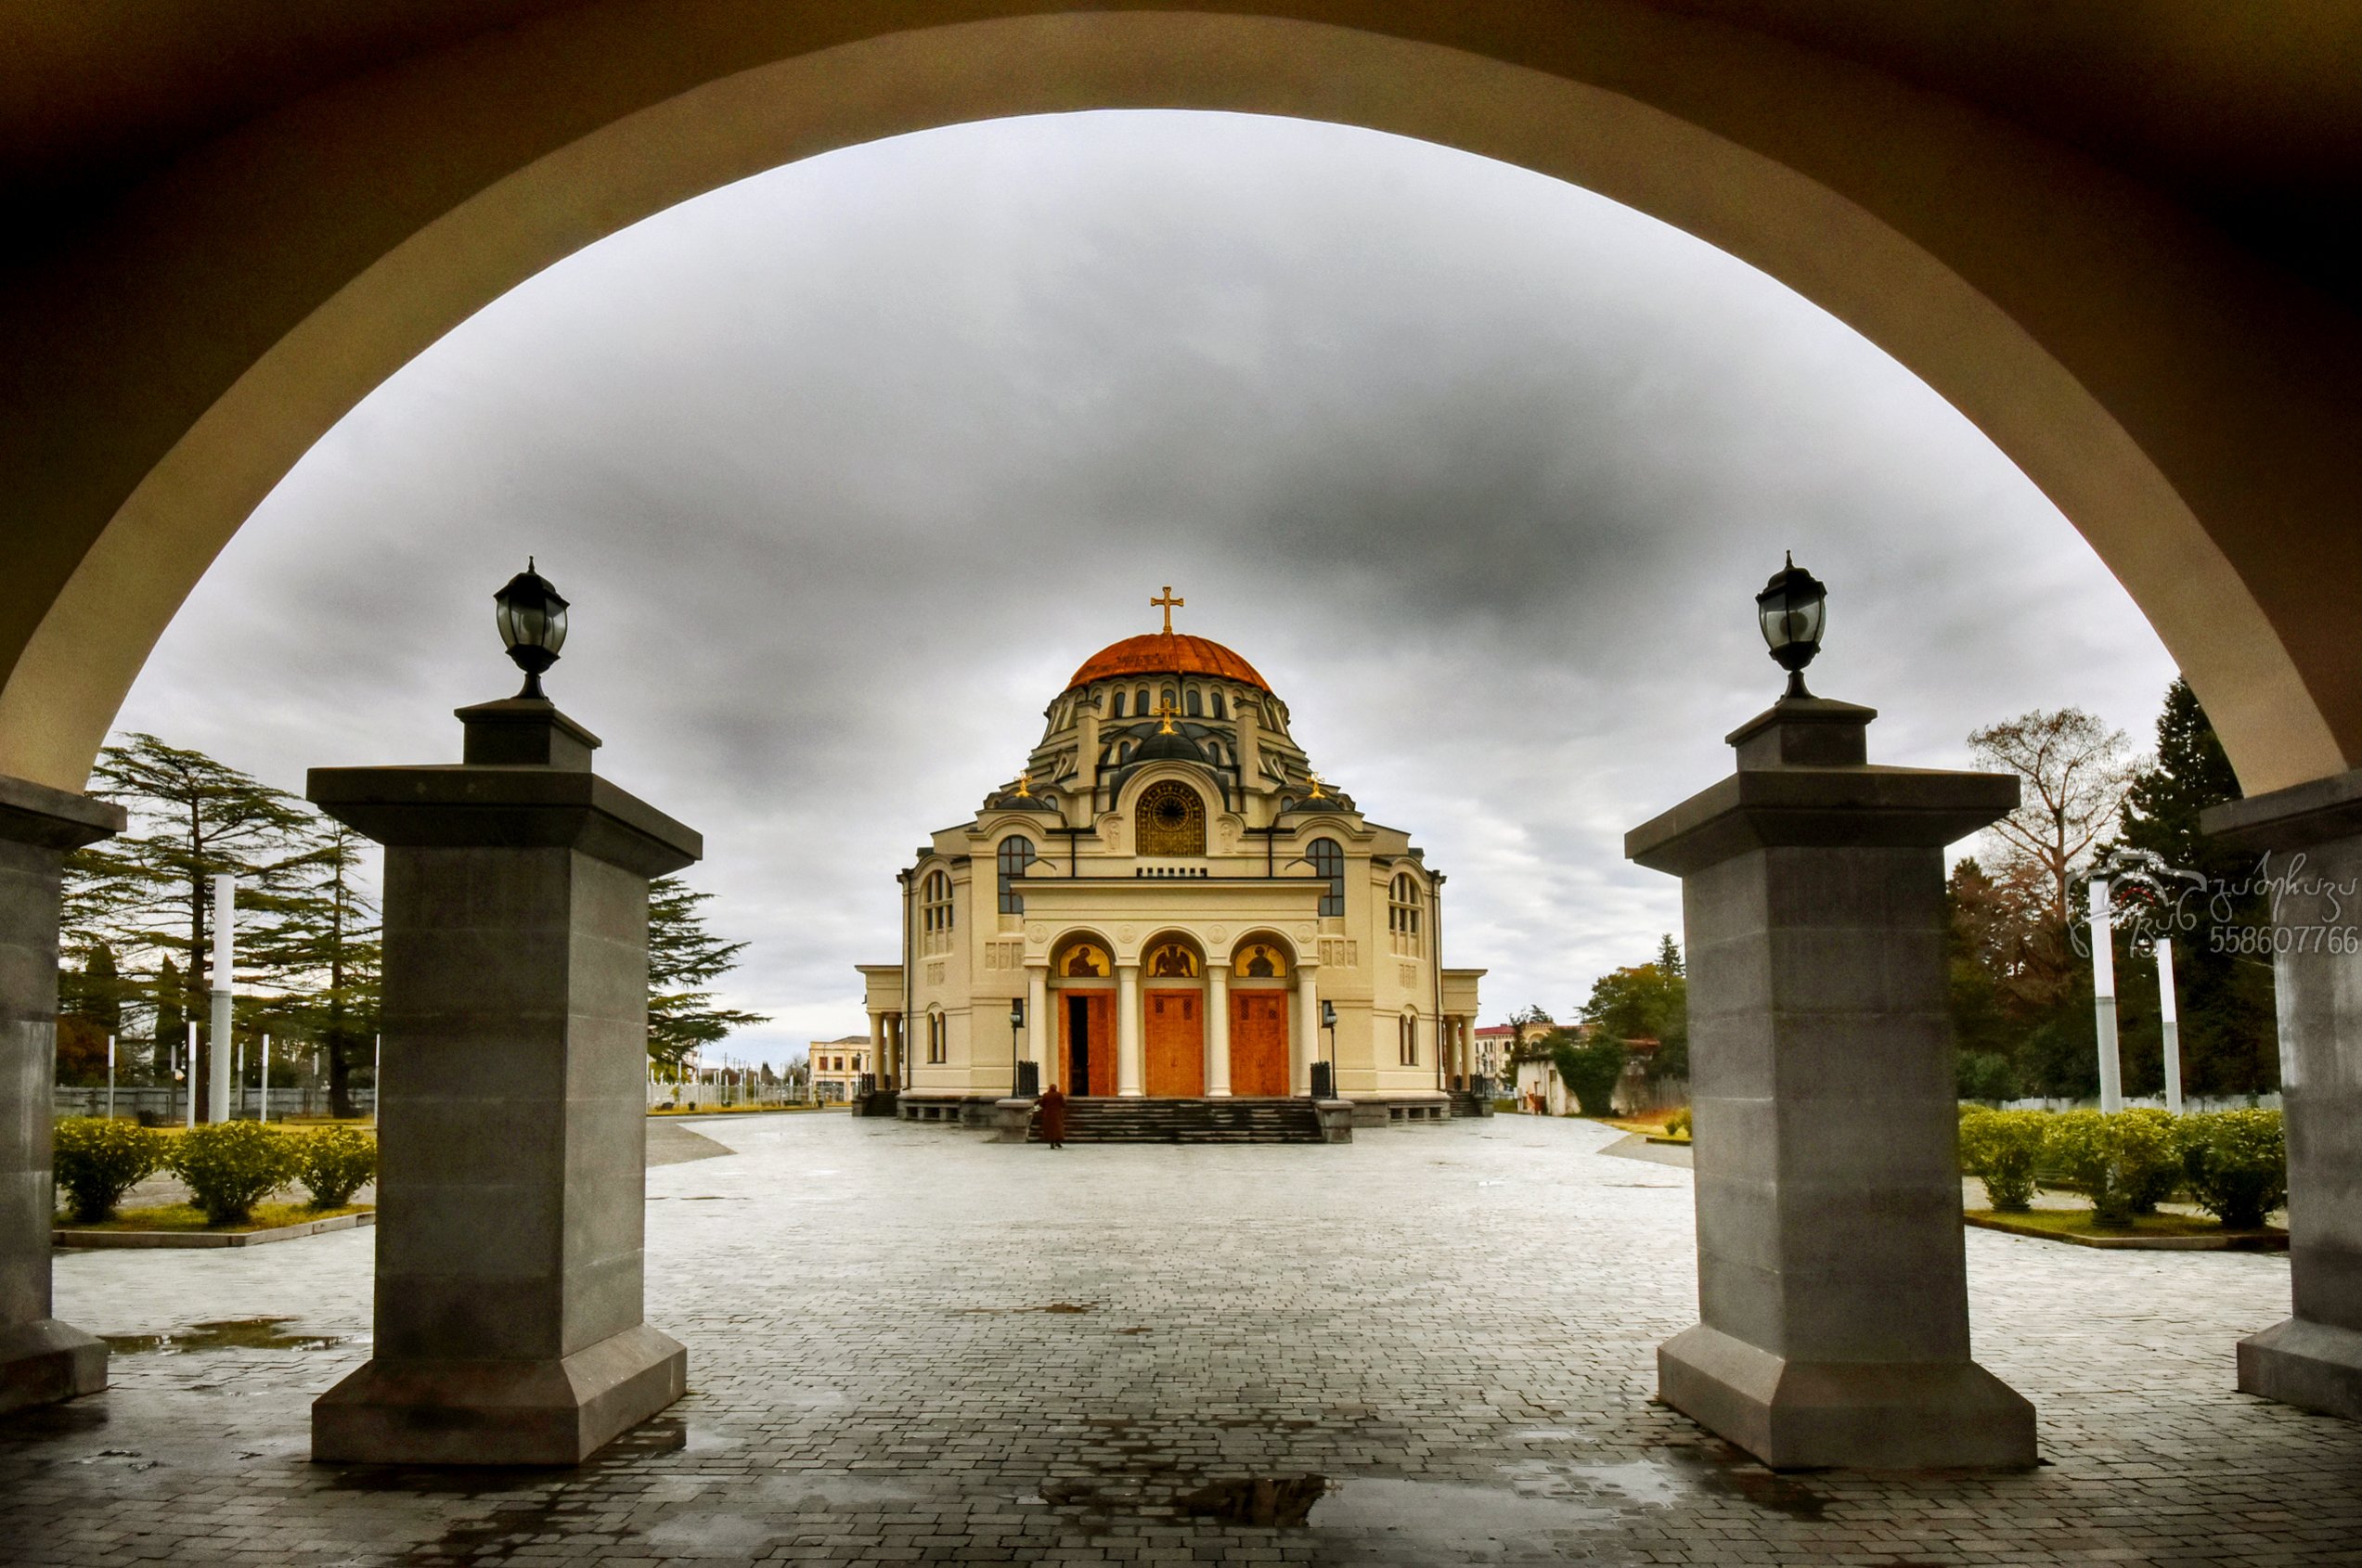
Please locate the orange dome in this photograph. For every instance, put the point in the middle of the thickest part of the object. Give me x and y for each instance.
(1164, 653)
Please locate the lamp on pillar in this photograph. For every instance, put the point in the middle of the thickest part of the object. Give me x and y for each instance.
(1791, 609)
(509, 1322)
(532, 617)
(1832, 1280)
(1325, 1072)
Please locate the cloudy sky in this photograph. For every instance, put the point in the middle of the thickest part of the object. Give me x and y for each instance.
(846, 466)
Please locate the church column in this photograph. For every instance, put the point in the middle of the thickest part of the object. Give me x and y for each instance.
(1039, 1034)
(1127, 1062)
(1218, 1031)
(1304, 1041)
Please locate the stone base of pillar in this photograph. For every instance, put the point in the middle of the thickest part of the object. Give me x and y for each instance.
(45, 1360)
(499, 1412)
(1797, 1415)
(2311, 1365)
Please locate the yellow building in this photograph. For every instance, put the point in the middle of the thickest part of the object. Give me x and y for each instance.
(1168, 902)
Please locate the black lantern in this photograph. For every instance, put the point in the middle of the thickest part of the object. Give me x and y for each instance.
(1792, 608)
(1016, 1012)
(532, 616)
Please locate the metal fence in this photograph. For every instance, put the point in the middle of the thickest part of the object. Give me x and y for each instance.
(169, 1103)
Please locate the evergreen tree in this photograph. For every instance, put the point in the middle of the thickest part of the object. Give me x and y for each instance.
(170, 999)
(2229, 1039)
(151, 889)
(683, 958)
(326, 943)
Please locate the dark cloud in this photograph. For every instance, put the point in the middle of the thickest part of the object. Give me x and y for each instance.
(847, 466)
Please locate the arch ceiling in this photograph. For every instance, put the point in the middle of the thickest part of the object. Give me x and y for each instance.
(2098, 232)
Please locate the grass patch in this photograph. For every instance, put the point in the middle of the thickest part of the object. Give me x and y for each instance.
(2078, 1222)
(187, 1216)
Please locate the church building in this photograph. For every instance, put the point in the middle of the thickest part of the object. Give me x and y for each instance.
(1169, 902)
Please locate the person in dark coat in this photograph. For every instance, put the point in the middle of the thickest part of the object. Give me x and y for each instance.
(1049, 1117)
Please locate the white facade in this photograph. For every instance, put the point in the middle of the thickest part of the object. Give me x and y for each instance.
(1167, 897)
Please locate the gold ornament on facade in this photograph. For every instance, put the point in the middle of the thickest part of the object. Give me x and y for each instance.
(1171, 819)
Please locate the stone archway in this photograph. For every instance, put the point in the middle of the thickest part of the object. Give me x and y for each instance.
(2189, 419)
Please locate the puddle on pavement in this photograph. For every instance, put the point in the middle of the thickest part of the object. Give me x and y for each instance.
(223, 1333)
(1276, 1501)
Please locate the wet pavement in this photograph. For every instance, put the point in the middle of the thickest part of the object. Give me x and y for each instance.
(1429, 1347)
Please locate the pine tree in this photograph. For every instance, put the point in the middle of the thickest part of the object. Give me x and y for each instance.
(325, 944)
(151, 889)
(2229, 1038)
(683, 956)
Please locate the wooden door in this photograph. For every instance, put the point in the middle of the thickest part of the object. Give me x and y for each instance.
(1259, 1042)
(1090, 1042)
(1176, 1042)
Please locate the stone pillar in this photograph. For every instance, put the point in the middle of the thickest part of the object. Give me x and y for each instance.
(2311, 836)
(1130, 1075)
(1218, 1031)
(41, 1359)
(877, 1048)
(1304, 1040)
(509, 1324)
(1831, 1274)
(1039, 1031)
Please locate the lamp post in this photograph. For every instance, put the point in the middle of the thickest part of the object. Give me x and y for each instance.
(532, 617)
(1791, 609)
(1022, 1084)
(1328, 1023)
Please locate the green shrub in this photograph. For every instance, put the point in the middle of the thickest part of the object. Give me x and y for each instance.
(2236, 1165)
(2082, 1145)
(231, 1166)
(1590, 1071)
(333, 1164)
(1678, 1123)
(2003, 1148)
(1984, 1075)
(97, 1160)
(2148, 1157)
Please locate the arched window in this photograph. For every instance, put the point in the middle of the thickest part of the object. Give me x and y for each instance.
(1119, 704)
(1140, 703)
(935, 904)
(938, 1038)
(1196, 704)
(1017, 853)
(1171, 819)
(1402, 913)
(1328, 860)
(1219, 712)
(1408, 1037)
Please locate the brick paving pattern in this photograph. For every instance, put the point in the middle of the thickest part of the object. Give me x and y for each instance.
(908, 1345)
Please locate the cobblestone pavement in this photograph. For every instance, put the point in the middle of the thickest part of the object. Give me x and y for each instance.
(908, 1345)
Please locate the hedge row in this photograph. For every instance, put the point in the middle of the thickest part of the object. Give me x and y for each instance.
(228, 1166)
(2233, 1163)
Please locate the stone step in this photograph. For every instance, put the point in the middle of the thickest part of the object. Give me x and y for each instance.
(1106, 1120)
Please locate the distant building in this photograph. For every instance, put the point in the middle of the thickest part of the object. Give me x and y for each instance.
(1493, 1045)
(837, 1066)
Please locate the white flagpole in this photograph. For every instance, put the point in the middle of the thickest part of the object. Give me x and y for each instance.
(2171, 1015)
(217, 1085)
(190, 1075)
(237, 1080)
(2103, 994)
(111, 1077)
(265, 1114)
(377, 1083)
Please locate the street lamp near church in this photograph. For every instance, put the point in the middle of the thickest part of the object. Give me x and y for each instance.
(532, 617)
(1792, 608)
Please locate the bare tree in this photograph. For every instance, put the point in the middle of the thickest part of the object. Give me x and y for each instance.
(2074, 774)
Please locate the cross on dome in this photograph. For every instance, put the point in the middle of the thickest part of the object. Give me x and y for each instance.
(1169, 604)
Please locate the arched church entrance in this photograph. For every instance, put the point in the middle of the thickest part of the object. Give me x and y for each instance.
(1259, 992)
(1082, 991)
(1173, 1017)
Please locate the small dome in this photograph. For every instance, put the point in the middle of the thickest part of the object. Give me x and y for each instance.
(1161, 747)
(1166, 653)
